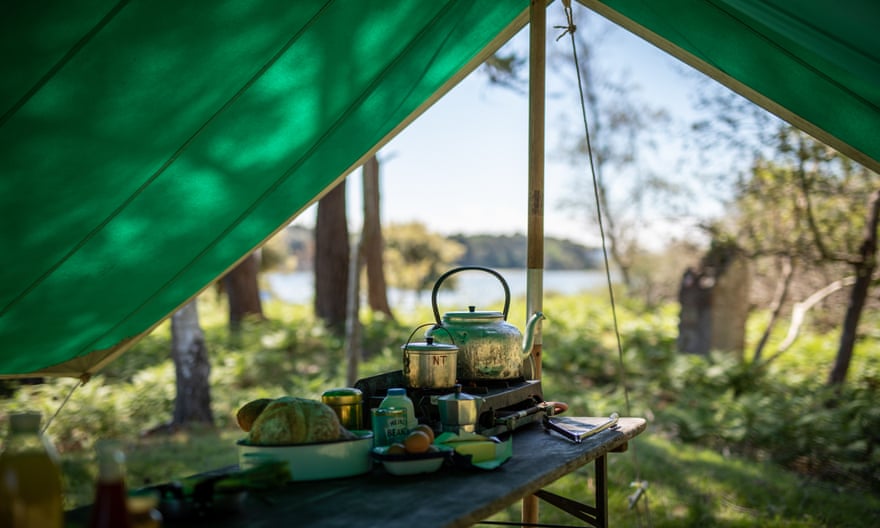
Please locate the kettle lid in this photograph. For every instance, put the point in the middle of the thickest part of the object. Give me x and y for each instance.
(430, 346)
(473, 316)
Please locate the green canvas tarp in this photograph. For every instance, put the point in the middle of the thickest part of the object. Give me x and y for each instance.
(815, 63)
(146, 146)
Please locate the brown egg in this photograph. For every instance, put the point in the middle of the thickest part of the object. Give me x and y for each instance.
(396, 449)
(425, 428)
(417, 442)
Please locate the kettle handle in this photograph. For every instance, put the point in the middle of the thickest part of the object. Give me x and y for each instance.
(465, 268)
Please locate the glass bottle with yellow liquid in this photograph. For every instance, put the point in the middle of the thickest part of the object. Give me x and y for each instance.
(30, 477)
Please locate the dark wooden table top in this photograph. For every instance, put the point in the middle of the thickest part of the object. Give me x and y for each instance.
(450, 497)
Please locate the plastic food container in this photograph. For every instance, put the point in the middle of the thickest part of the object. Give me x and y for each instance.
(319, 461)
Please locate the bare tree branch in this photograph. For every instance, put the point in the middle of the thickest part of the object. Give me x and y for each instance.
(800, 310)
(779, 298)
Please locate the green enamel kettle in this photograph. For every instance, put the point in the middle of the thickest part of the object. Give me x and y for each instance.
(489, 348)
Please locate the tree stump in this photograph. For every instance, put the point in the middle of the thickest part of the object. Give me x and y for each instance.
(714, 303)
(695, 320)
(730, 307)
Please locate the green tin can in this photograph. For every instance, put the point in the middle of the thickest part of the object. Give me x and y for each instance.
(348, 403)
(389, 425)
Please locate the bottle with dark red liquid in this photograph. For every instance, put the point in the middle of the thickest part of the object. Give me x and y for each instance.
(110, 509)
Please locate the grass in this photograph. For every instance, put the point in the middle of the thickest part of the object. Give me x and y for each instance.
(697, 487)
(153, 460)
(707, 458)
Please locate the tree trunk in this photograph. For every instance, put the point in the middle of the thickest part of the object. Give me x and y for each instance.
(192, 403)
(715, 303)
(864, 270)
(243, 292)
(353, 342)
(372, 244)
(331, 259)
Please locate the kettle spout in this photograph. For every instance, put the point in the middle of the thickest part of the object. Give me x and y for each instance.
(529, 334)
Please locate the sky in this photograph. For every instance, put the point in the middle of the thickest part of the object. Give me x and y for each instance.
(462, 166)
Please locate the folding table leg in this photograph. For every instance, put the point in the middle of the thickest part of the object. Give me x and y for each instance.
(596, 516)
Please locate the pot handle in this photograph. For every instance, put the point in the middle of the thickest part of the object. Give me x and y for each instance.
(409, 339)
(465, 268)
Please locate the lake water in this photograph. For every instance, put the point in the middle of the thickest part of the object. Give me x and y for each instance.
(472, 287)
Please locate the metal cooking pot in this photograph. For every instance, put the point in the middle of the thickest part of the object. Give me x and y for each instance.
(489, 348)
(429, 365)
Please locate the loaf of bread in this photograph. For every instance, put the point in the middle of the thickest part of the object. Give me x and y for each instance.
(292, 420)
(248, 413)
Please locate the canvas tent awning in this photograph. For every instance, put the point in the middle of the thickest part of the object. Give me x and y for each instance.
(146, 146)
(815, 63)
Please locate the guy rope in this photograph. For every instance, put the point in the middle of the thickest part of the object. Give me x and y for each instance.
(641, 486)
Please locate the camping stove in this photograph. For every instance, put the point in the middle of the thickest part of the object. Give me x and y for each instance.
(505, 404)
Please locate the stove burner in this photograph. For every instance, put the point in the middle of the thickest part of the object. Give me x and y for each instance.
(477, 387)
(505, 404)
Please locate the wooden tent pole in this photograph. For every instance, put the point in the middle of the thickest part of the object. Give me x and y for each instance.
(535, 249)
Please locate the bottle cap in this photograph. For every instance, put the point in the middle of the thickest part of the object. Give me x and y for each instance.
(397, 392)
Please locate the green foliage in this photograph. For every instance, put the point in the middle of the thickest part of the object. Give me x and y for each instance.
(784, 415)
(727, 445)
(655, 276)
(801, 425)
(807, 202)
(293, 245)
(509, 252)
(417, 256)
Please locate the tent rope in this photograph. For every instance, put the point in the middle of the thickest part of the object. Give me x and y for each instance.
(82, 381)
(640, 485)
